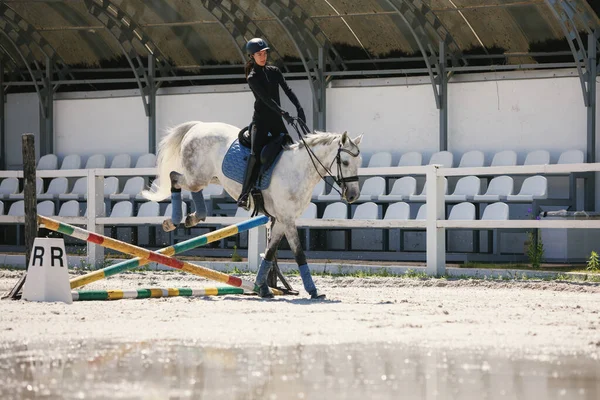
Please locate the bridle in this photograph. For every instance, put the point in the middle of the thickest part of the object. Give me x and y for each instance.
(339, 179)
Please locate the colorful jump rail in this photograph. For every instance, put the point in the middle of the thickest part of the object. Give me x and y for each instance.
(170, 251)
(90, 295)
(144, 254)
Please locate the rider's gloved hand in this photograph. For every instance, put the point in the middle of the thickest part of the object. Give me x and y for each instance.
(301, 115)
(288, 118)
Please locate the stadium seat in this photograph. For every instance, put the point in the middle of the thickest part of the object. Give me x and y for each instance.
(96, 161)
(498, 188)
(473, 158)
(72, 161)
(47, 162)
(402, 189)
(443, 158)
(504, 158)
(121, 161)
(465, 189)
(381, 159)
(411, 159)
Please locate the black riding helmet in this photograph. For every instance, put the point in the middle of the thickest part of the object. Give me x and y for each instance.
(255, 45)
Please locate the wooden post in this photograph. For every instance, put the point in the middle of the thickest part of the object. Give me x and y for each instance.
(31, 227)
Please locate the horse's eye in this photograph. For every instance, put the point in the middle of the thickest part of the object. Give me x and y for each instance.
(345, 163)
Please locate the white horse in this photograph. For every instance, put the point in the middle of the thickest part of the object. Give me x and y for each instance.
(191, 155)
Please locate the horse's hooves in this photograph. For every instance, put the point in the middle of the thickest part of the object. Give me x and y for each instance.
(192, 220)
(265, 292)
(317, 295)
(168, 225)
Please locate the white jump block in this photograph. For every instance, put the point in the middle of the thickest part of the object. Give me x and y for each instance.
(47, 274)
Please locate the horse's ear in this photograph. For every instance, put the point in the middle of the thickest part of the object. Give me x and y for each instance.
(344, 138)
(358, 139)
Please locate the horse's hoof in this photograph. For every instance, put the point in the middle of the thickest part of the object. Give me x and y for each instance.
(316, 295)
(168, 225)
(264, 291)
(192, 220)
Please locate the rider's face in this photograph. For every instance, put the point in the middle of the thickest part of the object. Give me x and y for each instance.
(260, 57)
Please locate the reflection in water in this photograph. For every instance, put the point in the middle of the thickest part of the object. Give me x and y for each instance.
(165, 370)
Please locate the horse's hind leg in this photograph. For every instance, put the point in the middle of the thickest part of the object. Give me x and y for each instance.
(199, 213)
(277, 231)
(176, 204)
(291, 233)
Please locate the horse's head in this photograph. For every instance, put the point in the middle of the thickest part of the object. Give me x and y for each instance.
(348, 161)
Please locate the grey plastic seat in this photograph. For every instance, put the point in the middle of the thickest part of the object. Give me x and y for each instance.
(371, 189)
(571, 157)
(403, 188)
(70, 208)
(96, 161)
(443, 158)
(1, 207)
(122, 209)
(310, 212)
(504, 158)
(337, 210)
(46, 208)
(381, 159)
(466, 188)
(400, 211)
(411, 159)
(9, 186)
(498, 189)
(121, 161)
(79, 191)
(496, 211)
(47, 162)
(462, 211)
(39, 186)
(422, 212)
(146, 161)
(149, 209)
(533, 188)
(17, 209)
(537, 157)
(367, 210)
(57, 187)
(133, 187)
(473, 158)
(72, 161)
(111, 185)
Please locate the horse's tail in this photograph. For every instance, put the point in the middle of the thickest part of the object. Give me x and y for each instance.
(169, 159)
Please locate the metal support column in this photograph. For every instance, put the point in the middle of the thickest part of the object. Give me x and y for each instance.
(151, 88)
(443, 93)
(3, 163)
(319, 109)
(47, 114)
(590, 190)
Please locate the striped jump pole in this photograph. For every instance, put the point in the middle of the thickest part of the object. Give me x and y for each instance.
(142, 253)
(88, 295)
(170, 251)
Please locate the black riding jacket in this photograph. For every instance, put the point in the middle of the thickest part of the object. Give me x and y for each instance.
(265, 82)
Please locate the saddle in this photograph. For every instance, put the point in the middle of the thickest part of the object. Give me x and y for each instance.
(235, 160)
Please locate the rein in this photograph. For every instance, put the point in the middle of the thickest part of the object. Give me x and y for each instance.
(340, 179)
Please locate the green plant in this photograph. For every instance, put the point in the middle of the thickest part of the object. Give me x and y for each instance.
(235, 256)
(593, 263)
(534, 249)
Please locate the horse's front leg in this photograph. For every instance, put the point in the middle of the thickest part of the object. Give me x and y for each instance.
(291, 233)
(277, 232)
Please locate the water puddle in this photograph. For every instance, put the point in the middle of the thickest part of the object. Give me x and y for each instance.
(167, 370)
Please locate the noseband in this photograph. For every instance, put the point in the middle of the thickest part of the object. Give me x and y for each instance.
(339, 179)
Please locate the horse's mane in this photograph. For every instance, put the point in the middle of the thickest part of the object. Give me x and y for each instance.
(315, 139)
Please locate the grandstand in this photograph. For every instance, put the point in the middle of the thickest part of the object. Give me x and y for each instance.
(500, 94)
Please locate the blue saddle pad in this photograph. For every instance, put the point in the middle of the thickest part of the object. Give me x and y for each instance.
(234, 165)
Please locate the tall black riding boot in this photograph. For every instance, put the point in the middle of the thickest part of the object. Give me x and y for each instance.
(249, 180)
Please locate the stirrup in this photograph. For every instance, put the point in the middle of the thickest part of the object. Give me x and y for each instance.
(244, 201)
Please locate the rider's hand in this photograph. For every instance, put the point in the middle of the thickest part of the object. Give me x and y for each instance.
(288, 118)
(301, 115)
